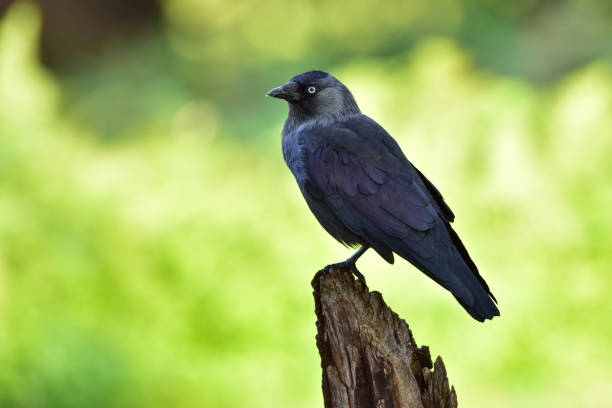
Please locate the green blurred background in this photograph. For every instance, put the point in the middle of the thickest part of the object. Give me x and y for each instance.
(155, 251)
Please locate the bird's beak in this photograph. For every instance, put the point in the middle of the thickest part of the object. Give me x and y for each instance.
(289, 91)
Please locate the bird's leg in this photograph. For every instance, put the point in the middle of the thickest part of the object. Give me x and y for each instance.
(350, 263)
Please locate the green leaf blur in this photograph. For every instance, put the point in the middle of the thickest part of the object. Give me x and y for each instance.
(155, 251)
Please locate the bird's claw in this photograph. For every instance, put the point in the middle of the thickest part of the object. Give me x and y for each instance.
(352, 267)
(358, 275)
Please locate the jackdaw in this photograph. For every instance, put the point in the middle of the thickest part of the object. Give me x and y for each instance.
(363, 190)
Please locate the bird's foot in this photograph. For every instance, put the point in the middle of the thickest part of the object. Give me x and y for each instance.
(359, 275)
(352, 267)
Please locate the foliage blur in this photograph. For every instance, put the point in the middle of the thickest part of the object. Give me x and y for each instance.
(155, 252)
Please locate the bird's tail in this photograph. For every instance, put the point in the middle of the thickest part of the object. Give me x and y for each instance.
(479, 305)
(474, 295)
(454, 270)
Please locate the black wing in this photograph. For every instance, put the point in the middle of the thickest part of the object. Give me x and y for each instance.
(367, 182)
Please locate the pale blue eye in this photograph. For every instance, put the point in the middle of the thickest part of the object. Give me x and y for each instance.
(312, 89)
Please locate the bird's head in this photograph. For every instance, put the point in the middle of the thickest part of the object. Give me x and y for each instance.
(316, 94)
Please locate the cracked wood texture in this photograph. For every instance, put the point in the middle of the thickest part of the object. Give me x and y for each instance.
(368, 355)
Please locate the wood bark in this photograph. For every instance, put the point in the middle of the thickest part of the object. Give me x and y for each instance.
(368, 354)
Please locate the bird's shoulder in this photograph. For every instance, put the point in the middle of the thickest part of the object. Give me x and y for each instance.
(356, 135)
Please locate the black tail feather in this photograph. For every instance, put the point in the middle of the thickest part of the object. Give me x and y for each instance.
(468, 261)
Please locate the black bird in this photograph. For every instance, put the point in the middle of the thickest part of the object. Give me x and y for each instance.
(363, 190)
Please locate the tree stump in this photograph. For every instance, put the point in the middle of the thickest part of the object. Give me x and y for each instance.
(368, 354)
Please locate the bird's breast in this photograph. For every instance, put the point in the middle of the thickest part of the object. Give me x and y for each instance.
(294, 156)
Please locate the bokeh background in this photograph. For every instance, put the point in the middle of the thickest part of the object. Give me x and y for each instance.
(155, 251)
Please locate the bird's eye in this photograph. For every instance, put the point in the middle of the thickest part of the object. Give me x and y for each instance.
(312, 89)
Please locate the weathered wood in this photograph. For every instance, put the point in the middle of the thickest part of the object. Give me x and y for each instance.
(368, 355)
